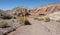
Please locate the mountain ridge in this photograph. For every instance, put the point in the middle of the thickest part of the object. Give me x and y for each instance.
(38, 11)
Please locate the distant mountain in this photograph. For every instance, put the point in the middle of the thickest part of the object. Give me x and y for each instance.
(1, 10)
(37, 11)
(18, 10)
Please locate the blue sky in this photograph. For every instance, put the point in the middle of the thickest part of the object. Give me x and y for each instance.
(9, 4)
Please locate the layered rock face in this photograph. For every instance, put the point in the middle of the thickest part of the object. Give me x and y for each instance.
(46, 9)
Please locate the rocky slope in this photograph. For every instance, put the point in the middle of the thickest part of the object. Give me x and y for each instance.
(46, 9)
(55, 16)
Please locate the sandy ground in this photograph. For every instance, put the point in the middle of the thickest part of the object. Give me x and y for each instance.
(38, 28)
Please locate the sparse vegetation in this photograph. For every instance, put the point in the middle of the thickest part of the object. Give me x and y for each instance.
(3, 24)
(6, 17)
(58, 20)
(46, 19)
(27, 22)
(24, 21)
(20, 19)
(40, 19)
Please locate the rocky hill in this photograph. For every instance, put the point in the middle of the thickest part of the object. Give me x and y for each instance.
(37, 11)
(46, 9)
(21, 10)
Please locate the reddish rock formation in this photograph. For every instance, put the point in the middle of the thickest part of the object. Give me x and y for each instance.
(46, 9)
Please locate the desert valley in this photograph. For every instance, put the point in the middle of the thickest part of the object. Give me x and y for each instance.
(40, 20)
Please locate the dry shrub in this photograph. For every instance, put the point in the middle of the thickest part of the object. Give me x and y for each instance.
(24, 21)
(20, 20)
(46, 19)
(40, 19)
(58, 20)
(3, 24)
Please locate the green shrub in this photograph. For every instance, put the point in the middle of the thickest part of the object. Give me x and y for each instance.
(3, 24)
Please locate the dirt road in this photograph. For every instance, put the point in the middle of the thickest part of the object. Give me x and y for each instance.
(38, 28)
